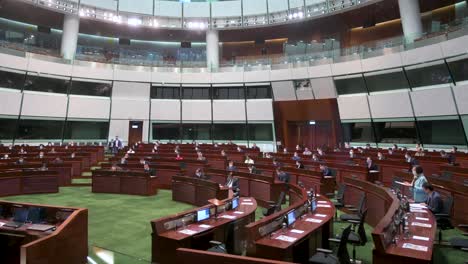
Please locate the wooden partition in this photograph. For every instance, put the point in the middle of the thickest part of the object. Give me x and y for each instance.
(196, 191)
(124, 182)
(28, 182)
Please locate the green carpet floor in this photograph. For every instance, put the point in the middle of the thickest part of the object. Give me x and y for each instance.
(120, 223)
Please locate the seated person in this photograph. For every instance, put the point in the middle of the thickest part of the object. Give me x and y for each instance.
(307, 152)
(326, 172)
(390, 151)
(285, 151)
(298, 148)
(146, 168)
(296, 156)
(179, 157)
(200, 156)
(52, 150)
(248, 160)
(5, 157)
(131, 151)
(380, 156)
(223, 153)
(142, 161)
(114, 167)
(276, 163)
(315, 158)
(200, 174)
(57, 160)
(22, 151)
(419, 152)
(232, 182)
(253, 169)
(299, 164)
(433, 199)
(370, 164)
(411, 160)
(240, 150)
(231, 166)
(123, 161)
(73, 155)
(20, 161)
(351, 154)
(320, 152)
(41, 155)
(254, 147)
(282, 176)
(43, 167)
(451, 156)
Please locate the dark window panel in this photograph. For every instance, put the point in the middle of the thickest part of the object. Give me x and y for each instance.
(386, 82)
(459, 70)
(229, 132)
(350, 85)
(39, 129)
(196, 93)
(260, 132)
(358, 132)
(161, 92)
(91, 88)
(259, 92)
(12, 80)
(431, 75)
(7, 128)
(166, 131)
(46, 84)
(396, 132)
(442, 132)
(228, 92)
(196, 131)
(86, 130)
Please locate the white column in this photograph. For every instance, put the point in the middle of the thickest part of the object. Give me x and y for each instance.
(71, 26)
(212, 49)
(410, 19)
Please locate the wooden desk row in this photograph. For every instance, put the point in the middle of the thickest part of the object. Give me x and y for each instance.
(28, 182)
(382, 207)
(66, 243)
(196, 191)
(124, 182)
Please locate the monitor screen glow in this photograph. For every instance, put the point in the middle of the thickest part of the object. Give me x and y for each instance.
(235, 203)
(291, 218)
(203, 214)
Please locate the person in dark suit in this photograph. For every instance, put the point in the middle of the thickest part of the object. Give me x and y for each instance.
(276, 163)
(232, 182)
(433, 200)
(149, 170)
(116, 145)
(296, 157)
(299, 165)
(57, 160)
(315, 158)
(200, 174)
(325, 170)
(231, 166)
(370, 164)
(380, 156)
(20, 161)
(282, 176)
(254, 147)
(253, 169)
(412, 161)
(123, 161)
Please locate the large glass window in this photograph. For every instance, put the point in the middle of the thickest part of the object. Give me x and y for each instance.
(442, 132)
(229, 132)
(91, 88)
(86, 130)
(196, 93)
(432, 74)
(12, 79)
(386, 80)
(403, 132)
(196, 131)
(259, 92)
(260, 132)
(7, 128)
(228, 92)
(350, 85)
(39, 129)
(358, 132)
(46, 84)
(459, 69)
(162, 92)
(166, 131)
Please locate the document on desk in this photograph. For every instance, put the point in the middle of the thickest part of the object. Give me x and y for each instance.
(313, 220)
(421, 238)
(403, 183)
(229, 216)
(414, 247)
(320, 215)
(247, 200)
(324, 205)
(322, 202)
(297, 231)
(421, 224)
(414, 210)
(416, 206)
(286, 238)
(422, 218)
(247, 203)
(205, 226)
(187, 232)
(238, 212)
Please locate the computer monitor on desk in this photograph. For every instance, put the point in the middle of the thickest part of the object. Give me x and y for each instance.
(203, 214)
(235, 203)
(291, 217)
(313, 205)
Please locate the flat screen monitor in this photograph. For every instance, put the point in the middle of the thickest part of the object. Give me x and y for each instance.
(21, 215)
(313, 205)
(203, 214)
(235, 203)
(291, 218)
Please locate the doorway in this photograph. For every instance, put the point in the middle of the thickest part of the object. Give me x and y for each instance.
(135, 132)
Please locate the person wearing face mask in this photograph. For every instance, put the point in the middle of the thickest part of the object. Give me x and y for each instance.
(315, 158)
(411, 160)
(41, 155)
(419, 196)
(351, 154)
(307, 152)
(380, 156)
(370, 164)
(5, 157)
(296, 156)
(200, 174)
(20, 161)
(299, 164)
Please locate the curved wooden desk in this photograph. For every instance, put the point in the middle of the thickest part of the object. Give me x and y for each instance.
(124, 182)
(182, 230)
(310, 231)
(68, 243)
(196, 191)
(28, 182)
(382, 206)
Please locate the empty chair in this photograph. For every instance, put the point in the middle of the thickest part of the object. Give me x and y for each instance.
(358, 210)
(339, 203)
(275, 207)
(357, 237)
(460, 242)
(444, 217)
(325, 256)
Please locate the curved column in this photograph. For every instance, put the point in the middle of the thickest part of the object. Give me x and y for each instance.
(71, 26)
(212, 49)
(410, 19)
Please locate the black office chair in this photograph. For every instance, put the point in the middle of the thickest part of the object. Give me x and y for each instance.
(229, 241)
(358, 210)
(275, 207)
(460, 242)
(339, 203)
(357, 237)
(443, 218)
(325, 256)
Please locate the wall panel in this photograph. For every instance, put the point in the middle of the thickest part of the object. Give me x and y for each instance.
(390, 105)
(196, 110)
(353, 107)
(283, 91)
(130, 109)
(164, 109)
(433, 102)
(88, 107)
(229, 110)
(44, 104)
(10, 101)
(259, 109)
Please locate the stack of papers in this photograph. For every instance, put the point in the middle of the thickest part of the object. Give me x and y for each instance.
(313, 220)
(421, 224)
(324, 205)
(187, 232)
(286, 238)
(421, 238)
(322, 202)
(422, 218)
(228, 216)
(413, 210)
(247, 200)
(320, 215)
(297, 231)
(247, 203)
(238, 212)
(416, 205)
(205, 226)
(414, 247)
